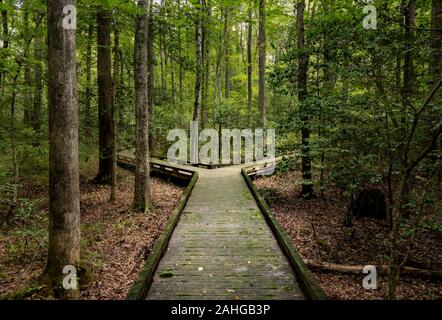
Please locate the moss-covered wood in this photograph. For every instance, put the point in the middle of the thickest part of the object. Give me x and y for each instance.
(140, 288)
(306, 278)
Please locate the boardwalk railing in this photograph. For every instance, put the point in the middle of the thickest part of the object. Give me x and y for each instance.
(139, 289)
(157, 167)
(307, 280)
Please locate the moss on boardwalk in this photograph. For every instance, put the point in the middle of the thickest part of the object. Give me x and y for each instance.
(222, 248)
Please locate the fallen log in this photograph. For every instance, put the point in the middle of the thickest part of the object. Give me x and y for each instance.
(347, 269)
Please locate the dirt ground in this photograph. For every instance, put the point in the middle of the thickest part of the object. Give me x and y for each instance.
(318, 231)
(115, 241)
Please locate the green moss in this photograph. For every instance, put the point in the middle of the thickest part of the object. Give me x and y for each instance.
(167, 275)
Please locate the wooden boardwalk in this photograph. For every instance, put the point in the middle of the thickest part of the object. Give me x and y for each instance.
(222, 248)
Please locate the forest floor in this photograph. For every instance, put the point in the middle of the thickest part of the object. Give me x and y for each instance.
(115, 241)
(318, 231)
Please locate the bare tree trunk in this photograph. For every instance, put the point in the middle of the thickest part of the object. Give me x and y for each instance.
(180, 71)
(217, 88)
(151, 76)
(104, 66)
(307, 185)
(181, 80)
(115, 106)
(409, 12)
(142, 196)
(88, 103)
(436, 42)
(5, 34)
(163, 61)
(5, 28)
(64, 194)
(206, 58)
(262, 39)
(436, 57)
(27, 95)
(199, 62)
(227, 53)
(15, 173)
(4, 15)
(28, 79)
(250, 66)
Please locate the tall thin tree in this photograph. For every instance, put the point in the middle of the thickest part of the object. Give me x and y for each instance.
(199, 60)
(250, 64)
(64, 194)
(262, 43)
(307, 185)
(142, 196)
(105, 109)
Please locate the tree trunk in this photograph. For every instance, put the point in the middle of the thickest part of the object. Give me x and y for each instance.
(199, 61)
(436, 57)
(142, 181)
(28, 80)
(5, 35)
(5, 28)
(181, 78)
(104, 66)
(250, 66)
(64, 194)
(436, 42)
(227, 53)
(115, 106)
(307, 185)
(151, 75)
(163, 61)
(409, 12)
(206, 44)
(88, 101)
(262, 39)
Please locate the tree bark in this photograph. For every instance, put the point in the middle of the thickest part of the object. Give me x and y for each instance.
(206, 44)
(104, 68)
(436, 42)
(151, 75)
(88, 101)
(250, 66)
(115, 107)
(5, 28)
(409, 12)
(307, 185)
(199, 61)
(142, 197)
(262, 39)
(227, 53)
(163, 60)
(5, 34)
(28, 79)
(64, 194)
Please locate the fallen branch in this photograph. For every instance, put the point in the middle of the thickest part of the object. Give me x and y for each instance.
(346, 269)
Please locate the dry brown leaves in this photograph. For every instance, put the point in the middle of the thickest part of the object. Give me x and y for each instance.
(318, 231)
(115, 241)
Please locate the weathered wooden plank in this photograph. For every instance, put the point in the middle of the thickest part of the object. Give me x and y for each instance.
(223, 241)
